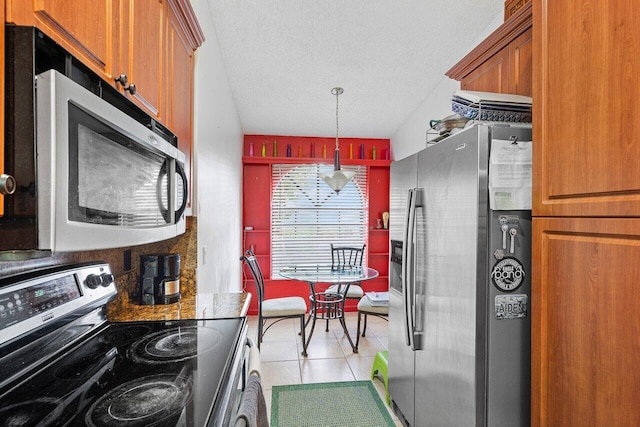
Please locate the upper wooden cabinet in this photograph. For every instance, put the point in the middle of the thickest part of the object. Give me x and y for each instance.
(502, 62)
(87, 29)
(586, 156)
(118, 38)
(140, 53)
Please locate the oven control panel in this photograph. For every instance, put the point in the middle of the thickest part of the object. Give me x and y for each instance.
(29, 300)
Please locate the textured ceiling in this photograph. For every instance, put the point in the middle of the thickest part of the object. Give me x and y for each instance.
(284, 56)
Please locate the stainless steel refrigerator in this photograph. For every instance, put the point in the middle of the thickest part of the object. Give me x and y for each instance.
(459, 338)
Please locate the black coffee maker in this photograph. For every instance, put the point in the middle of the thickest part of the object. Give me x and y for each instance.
(159, 279)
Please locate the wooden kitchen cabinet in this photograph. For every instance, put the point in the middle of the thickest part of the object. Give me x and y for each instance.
(111, 37)
(586, 207)
(491, 76)
(140, 53)
(521, 64)
(586, 109)
(585, 322)
(502, 63)
(114, 37)
(89, 30)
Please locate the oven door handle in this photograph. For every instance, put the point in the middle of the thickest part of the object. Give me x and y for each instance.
(254, 365)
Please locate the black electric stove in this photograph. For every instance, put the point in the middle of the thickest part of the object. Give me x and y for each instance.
(62, 363)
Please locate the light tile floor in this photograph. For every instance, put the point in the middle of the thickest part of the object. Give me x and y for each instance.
(330, 357)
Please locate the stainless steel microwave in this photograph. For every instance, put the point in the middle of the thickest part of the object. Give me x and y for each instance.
(104, 179)
(89, 174)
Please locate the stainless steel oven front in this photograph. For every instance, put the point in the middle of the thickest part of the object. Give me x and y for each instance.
(63, 363)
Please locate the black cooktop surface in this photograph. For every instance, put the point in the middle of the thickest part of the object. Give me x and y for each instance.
(127, 374)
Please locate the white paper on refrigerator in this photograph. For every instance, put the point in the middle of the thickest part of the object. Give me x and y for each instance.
(510, 171)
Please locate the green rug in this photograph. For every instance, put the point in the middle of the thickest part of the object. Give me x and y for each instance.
(341, 404)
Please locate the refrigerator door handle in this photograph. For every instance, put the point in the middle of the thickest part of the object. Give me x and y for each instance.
(417, 292)
(408, 280)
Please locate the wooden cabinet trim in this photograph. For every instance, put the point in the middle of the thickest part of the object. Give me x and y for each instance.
(495, 42)
(188, 22)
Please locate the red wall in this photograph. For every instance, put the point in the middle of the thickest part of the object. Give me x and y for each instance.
(257, 202)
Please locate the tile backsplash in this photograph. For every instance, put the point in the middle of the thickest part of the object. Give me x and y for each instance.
(126, 280)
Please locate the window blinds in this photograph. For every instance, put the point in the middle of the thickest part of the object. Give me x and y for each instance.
(307, 216)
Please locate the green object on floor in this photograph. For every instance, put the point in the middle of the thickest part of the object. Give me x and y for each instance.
(381, 367)
(350, 403)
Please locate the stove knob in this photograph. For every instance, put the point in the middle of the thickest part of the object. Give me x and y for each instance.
(107, 279)
(93, 281)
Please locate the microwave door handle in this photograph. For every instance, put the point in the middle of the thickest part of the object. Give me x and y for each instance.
(185, 191)
(164, 211)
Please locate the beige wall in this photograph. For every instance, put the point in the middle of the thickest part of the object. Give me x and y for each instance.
(218, 167)
(412, 135)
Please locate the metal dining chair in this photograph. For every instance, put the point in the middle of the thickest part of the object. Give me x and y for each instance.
(366, 308)
(347, 257)
(275, 309)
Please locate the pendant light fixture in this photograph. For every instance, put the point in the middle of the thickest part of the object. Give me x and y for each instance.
(337, 178)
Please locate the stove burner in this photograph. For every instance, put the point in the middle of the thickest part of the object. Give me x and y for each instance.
(174, 345)
(146, 401)
(41, 412)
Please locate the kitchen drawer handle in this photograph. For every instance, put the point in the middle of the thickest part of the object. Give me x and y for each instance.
(122, 79)
(124, 82)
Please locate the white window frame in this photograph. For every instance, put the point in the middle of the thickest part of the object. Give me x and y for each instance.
(307, 216)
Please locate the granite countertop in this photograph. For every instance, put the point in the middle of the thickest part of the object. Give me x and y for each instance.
(198, 306)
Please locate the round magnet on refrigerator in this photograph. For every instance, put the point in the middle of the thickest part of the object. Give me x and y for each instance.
(508, 274)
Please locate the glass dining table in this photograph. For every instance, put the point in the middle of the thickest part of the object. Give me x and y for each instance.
(328, 305)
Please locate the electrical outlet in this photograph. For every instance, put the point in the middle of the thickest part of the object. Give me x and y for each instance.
(204, 255)
(127, 260)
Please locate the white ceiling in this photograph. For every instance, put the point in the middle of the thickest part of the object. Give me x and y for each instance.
(283, 57)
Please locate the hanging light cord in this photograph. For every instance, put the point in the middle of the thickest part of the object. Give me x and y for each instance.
(337, 122)
(337, 91)
(337, 178)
